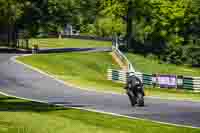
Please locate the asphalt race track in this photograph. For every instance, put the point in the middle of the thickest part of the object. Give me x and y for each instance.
(18, 80)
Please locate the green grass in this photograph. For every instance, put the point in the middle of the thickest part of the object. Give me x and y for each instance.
(151, 66)
(172, 94)
(89, 70)
(68, 43)
(21, 116)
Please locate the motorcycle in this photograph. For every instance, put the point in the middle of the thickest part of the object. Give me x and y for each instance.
(135, 91)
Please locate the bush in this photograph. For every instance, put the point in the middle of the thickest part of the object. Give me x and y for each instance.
(193, 55)
(163, 28)
(152, 56)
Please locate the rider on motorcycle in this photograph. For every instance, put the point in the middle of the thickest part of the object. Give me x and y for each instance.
(134, 90)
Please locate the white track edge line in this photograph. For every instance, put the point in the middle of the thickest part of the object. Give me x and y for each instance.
(81, 88)
(98, 111)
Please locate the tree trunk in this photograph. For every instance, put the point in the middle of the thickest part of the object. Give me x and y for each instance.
(129, 24)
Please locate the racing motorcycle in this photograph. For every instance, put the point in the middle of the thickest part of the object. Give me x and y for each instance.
(135, 91)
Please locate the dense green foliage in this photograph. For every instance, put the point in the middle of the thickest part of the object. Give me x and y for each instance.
(46, 15)
(155, 67)
(168, 29)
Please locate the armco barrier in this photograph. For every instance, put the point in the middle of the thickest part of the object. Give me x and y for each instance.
(189, 83)
(182, 82)
(83, 37)
(121, 76)
(147, 79)
(117, 75)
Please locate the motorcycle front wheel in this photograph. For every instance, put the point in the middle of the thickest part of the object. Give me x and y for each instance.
(140, 99)
(132, 98)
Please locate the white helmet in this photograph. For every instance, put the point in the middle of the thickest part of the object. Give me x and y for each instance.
(131, 73)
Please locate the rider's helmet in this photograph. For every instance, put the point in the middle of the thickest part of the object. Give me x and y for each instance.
(132, 75)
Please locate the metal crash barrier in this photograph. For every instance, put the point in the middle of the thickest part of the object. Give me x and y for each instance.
(155, 80)
(158, 80)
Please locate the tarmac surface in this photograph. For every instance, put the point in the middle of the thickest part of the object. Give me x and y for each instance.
(18, 80)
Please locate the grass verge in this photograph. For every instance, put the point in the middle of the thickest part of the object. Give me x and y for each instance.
(172, 94)
(89, 70)
(68, 43)
(153, 67)
(23, 116)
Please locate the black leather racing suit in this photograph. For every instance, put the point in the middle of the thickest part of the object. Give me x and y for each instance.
(133, 87)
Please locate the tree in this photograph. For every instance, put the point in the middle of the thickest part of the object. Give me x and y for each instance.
(11, 11)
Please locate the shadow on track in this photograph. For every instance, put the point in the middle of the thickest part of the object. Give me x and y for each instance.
(14, 51)
(10, 104)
